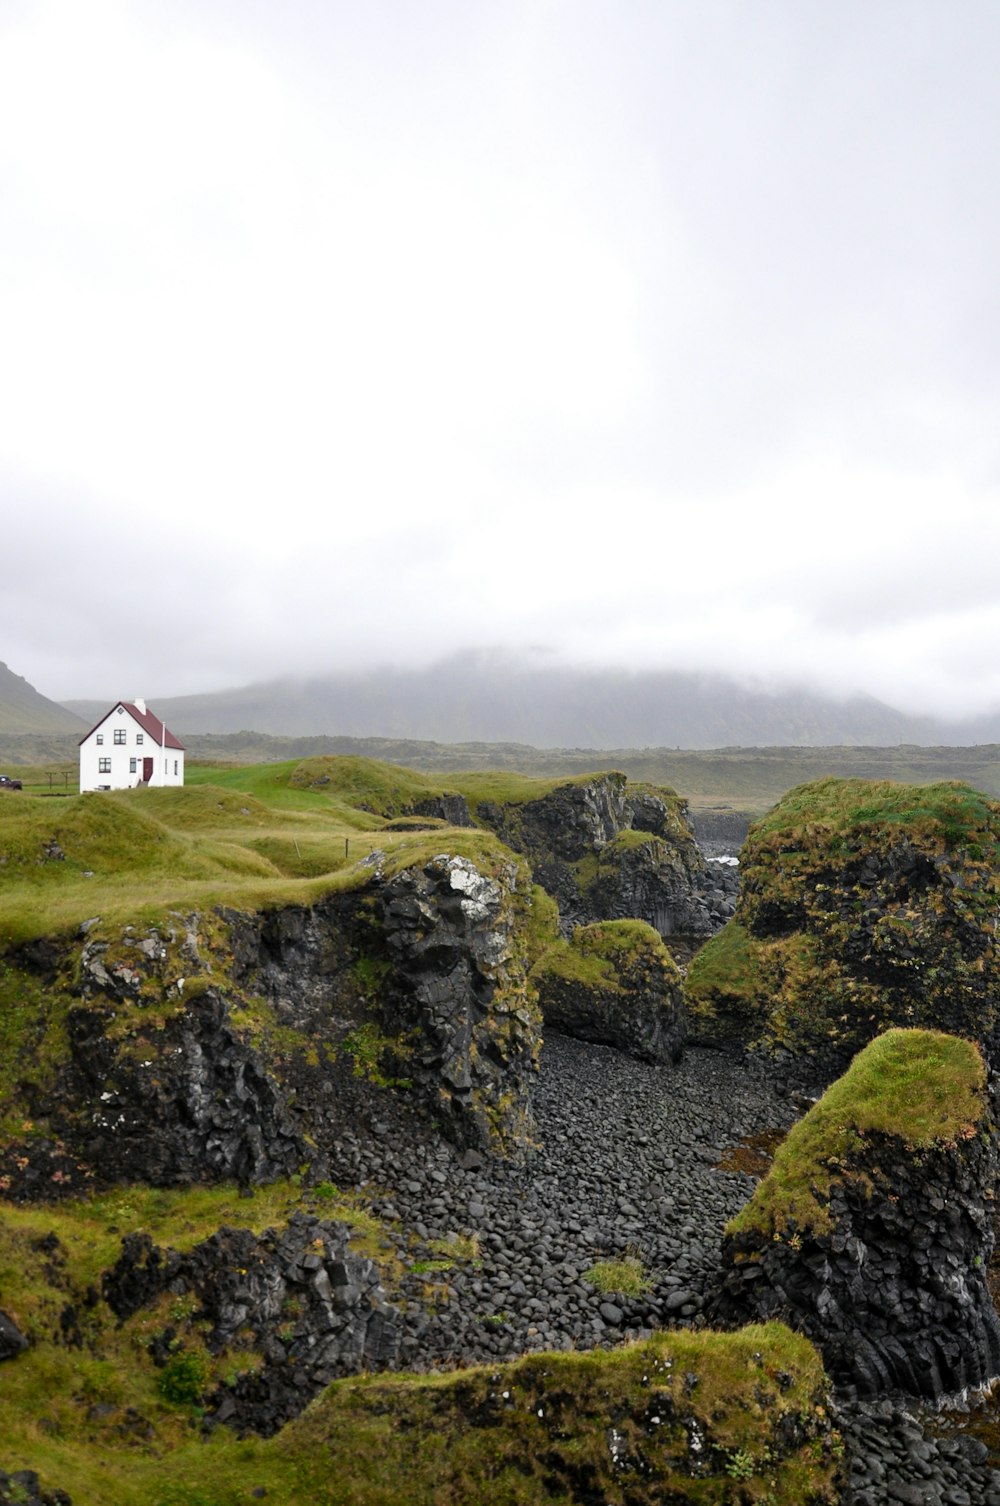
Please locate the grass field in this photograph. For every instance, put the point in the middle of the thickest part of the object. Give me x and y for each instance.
(246, 836)
(742, 779)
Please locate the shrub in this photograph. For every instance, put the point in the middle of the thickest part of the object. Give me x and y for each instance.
(182, 1379)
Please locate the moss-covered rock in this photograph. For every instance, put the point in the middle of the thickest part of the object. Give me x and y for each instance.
(862, 905)
(708, 1417)
(240, 1044)
(608, 850)
(873, 1230)
(614, 983)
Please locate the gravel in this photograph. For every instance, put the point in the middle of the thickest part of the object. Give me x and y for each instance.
(626, 1165)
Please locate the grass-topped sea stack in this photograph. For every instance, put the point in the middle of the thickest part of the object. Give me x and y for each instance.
(862, 905)
(873, 1230)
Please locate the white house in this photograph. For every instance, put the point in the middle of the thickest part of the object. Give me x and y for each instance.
(130, 746)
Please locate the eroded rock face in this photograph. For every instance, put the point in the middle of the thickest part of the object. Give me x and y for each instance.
(606, 851)
(458, 987)
(615, 983)
(179, 1104)
(312, 1308)
(244, 1045)
(891, 1284)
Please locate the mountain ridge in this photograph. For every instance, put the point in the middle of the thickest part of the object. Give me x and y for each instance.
(24, 709)
(477, 698)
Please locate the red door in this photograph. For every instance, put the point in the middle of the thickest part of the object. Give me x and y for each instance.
(147, 770)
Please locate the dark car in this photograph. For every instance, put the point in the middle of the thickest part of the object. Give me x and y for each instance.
(9, 784)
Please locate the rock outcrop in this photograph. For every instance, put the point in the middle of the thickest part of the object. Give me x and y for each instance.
(861, 906)
(873, 1231)
(240, 1046)
(309, 1308)
(458, 990)
(606, 850)
(184, 1102)
(614, 983)
(12, 1340)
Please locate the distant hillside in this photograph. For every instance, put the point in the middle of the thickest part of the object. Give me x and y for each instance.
(487, 699)
(22, 709)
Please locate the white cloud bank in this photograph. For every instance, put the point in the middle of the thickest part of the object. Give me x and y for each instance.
(660, 335)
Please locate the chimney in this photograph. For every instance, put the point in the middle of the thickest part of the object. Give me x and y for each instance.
(140, 705)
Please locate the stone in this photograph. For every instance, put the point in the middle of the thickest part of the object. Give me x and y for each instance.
(12, 1340)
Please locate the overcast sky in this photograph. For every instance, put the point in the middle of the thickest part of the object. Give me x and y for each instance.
(653, 333)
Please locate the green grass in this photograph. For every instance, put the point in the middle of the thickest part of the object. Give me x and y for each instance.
(597, 955)
(625, 1277)
(921, 1086)
(947, 811)
(723, 969)
(252, 841)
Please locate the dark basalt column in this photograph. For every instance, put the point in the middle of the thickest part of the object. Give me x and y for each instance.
(895, 1294)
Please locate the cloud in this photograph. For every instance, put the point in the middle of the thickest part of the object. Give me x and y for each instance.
(351, 335)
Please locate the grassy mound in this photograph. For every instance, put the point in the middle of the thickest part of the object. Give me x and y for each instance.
(921, 1086)
(862, 905)
(251, 838)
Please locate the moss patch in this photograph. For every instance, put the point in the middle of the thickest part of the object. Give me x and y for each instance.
(602, 954)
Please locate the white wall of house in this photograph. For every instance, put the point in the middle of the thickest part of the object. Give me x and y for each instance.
(119, 753)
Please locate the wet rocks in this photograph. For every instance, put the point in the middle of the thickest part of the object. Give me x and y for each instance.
(894, 1459)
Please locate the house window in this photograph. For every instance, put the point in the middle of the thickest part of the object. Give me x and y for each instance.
(138, 738)
(104, 766)
(132, 766)
(100, 739)
(120, 735)
(175, 766)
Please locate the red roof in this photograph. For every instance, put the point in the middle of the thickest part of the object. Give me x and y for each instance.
(148, 721)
